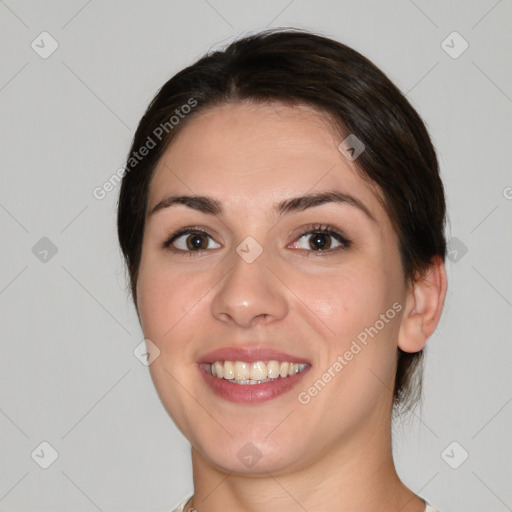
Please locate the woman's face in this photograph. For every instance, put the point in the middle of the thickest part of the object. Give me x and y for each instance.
(264, 282)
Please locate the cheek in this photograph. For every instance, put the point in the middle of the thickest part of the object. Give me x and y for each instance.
(167, 300)
(356, 365)
(349, 301)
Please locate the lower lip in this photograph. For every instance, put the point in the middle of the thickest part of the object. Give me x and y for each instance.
(251, 393)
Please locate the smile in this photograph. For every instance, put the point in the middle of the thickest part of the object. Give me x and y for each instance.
(252, 383)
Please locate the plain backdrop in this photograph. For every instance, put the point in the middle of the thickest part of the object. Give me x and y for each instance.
(68, 374)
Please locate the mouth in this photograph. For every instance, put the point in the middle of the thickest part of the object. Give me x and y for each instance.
(251, 375)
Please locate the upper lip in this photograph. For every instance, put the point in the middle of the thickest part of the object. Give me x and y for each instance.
(249, 355)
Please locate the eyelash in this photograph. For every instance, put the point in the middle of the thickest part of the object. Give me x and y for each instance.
(324, 229)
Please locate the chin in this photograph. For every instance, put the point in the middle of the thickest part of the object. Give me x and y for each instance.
(247, 454)
(250, 460)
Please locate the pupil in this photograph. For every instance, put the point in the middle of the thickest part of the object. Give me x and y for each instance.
(195, 242)
(321, 242)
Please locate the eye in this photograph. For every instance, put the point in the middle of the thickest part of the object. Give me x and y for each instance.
(318, 238)
(190, 240)
(322, 238)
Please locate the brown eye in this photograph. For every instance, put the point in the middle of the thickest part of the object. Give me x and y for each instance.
(190, 240)
(196, 241)
(322, 239)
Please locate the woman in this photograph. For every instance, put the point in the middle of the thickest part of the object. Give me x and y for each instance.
(282, 220)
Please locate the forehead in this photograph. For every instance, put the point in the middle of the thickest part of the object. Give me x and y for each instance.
(248, 153)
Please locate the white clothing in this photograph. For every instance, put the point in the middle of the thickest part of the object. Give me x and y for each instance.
(181, 506)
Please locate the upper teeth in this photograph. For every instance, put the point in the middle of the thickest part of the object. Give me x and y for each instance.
(240, 371)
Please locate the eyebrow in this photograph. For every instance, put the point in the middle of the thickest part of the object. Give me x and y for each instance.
(211, 206)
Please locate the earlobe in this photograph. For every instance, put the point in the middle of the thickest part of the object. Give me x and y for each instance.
(423, 307)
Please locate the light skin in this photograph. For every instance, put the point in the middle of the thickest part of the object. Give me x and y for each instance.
(333, 453)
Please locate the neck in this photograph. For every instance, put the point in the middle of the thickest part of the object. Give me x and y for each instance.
(357, 474)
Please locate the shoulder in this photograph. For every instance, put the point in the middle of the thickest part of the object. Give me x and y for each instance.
(181, 506)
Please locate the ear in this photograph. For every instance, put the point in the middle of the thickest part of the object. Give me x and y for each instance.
(423, 307)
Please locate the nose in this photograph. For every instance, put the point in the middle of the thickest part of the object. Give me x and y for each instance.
(250, 294)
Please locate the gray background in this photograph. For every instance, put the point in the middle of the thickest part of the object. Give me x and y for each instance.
(68, 374)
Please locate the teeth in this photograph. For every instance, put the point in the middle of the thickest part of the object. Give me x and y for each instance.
(229, 370)
(253, 373)
(218, 368)
(241, 371)
(258, 371)
(273, 369)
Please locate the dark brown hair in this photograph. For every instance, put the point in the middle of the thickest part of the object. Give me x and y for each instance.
(297, 67)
